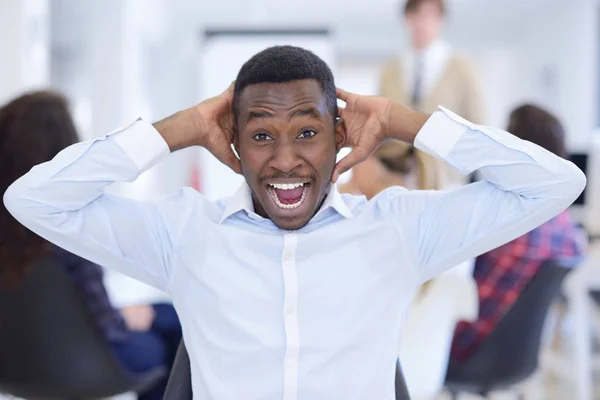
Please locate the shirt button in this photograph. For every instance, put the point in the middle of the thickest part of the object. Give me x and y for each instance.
(291, 363)
(290, 310)
(287, 257)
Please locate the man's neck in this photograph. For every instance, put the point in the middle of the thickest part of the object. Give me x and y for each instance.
(421, 49)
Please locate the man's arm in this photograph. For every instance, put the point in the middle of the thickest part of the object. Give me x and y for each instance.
(63, 201)
(522, 186)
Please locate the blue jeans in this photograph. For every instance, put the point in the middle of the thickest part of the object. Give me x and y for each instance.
(143, 351)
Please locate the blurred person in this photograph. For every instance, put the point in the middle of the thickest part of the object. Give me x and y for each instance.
(503, 274)
(288, 288)
(394, 163)
(431, 72)
(34, 128)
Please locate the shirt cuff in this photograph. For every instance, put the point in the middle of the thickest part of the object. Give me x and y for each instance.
(441, 132)
(142, 143)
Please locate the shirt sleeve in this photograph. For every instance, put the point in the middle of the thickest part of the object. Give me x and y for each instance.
(522, 186)
(64, 201)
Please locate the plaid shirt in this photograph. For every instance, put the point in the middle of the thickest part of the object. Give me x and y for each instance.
(88, 277)
(503, 273)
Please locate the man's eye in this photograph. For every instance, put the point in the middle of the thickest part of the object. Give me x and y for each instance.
(261, 137)
(306, 134)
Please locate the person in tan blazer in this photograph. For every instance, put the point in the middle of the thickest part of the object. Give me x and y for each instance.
(431, 73)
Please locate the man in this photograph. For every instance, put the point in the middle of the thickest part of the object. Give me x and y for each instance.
(289, 289)
(431, 72)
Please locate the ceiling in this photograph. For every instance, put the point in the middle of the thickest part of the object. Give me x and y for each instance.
(361, 28)
(372, 26)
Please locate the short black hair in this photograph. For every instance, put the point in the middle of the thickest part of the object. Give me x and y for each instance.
(281, 64)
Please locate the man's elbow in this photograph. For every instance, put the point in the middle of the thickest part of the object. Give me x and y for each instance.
(18, 202)
(575, 182)
(11, 199)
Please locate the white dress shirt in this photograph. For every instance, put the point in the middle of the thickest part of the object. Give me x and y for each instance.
(433, 60)
(309, 314)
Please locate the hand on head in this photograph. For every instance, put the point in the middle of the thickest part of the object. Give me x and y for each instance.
(218, 127)
(366, 119)
(369, 120)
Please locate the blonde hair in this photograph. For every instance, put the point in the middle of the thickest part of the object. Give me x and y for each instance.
(402, 158)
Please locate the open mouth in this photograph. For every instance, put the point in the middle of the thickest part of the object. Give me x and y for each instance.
(288, 195)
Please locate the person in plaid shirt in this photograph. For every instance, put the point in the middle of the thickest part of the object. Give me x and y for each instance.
(503, 273)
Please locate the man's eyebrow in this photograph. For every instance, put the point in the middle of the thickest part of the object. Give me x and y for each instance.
(258, 115)
(309, 111)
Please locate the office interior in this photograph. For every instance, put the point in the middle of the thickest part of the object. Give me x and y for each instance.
(117, 60)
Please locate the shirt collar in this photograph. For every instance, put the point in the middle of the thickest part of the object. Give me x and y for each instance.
(242, 201)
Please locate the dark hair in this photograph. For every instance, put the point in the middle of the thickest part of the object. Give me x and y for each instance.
(33, 129)
(532, 123)
(412, 5)
(281, 64)
(404, 159)
(399, 164)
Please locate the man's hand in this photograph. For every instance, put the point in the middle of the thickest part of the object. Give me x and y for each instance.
(218, 128)
(138, 318)
(209, 124)
(370, 120)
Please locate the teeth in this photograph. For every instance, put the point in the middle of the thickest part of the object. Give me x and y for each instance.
(286, 186)
(286, 206)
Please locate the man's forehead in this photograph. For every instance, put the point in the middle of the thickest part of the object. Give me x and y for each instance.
(288, 94)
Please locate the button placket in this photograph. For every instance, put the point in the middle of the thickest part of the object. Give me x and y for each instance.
(290, 317)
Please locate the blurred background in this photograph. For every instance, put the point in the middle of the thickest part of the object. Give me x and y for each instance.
(120, 59)
(117, 60)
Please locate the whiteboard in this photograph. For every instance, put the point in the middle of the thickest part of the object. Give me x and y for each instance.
(221, 58)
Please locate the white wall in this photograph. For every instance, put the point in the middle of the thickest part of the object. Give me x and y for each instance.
(24, 42)
(557, 65)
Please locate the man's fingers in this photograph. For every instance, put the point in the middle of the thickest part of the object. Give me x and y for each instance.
(342, 94)
(356, 156)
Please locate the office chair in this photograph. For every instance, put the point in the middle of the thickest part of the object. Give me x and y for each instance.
(509, 355)
(179, 386)
(50, 347)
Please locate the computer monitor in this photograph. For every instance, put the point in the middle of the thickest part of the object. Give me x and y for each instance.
(587, 207)
(581, 160)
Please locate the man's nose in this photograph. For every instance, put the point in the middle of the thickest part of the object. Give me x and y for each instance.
(286, 157)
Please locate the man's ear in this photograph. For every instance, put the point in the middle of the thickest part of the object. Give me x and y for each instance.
(340, 134)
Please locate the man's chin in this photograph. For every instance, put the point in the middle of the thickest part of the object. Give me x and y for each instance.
(289, 219)
(290, 224)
